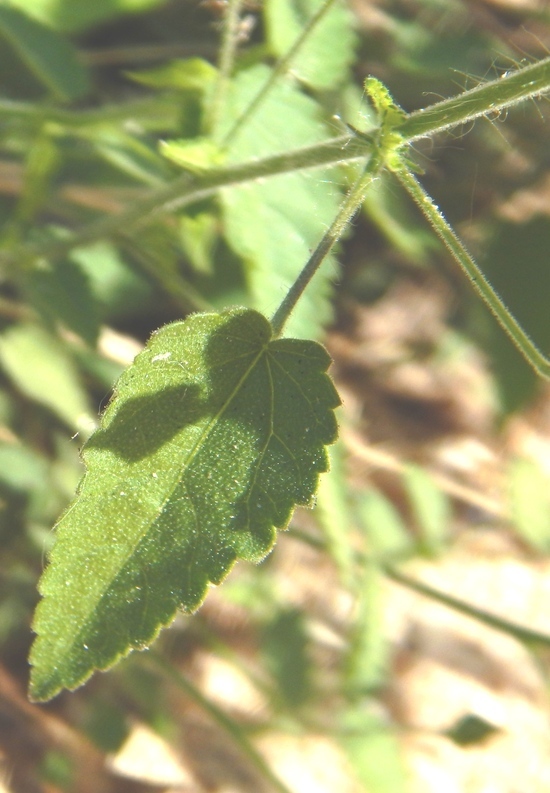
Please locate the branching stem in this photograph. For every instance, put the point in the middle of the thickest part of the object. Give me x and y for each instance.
(531, 80)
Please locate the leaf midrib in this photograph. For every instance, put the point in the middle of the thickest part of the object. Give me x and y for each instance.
(171, 487)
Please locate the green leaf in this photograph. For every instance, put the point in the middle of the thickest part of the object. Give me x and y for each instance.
(391, 211)
(512, 243)
(119, 290)
(431, 509)
(326, 56)
(41, 368)
(63, 293)
(366, 663)
(529, 502)
(43, 160)
(22, 470)
(275, 224)
(386, 532)
(77, 15)
(374, 752)
(199, 235)
(131, 156)
(285, 645)
(47, 54)
(333, 514)
(194, 155)
(191, 74)
(470, 730)
(215, 434)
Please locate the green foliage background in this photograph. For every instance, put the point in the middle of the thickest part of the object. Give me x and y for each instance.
(102, 102)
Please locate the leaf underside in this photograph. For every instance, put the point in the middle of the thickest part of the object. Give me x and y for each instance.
(215, 433)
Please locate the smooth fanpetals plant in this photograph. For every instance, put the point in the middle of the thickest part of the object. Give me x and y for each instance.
(218, 429)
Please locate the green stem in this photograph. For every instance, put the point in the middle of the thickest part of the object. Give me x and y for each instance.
(154, 109)
(349, 207)
(491, 97)
(479, 282)
(219, 717)
(281, 68)
(187, 189)
(228, 50)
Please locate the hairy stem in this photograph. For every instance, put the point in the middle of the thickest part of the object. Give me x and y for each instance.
(349, 207)
(527, 348)
(491, 97)
(188, 188)
(228, 50)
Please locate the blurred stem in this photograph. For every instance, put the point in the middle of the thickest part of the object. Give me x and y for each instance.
(155, 108)
(281, 68)
(228, 51)
(229, 726)
(529, 637)
(479, 282)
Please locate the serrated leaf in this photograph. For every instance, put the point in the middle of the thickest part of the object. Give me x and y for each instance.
(275, 224)
(326, 56)
(48, 55)
(216, 433)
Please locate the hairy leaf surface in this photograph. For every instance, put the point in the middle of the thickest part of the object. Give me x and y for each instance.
(215, 433)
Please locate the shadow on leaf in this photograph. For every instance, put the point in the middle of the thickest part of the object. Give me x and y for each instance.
(142, 425)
